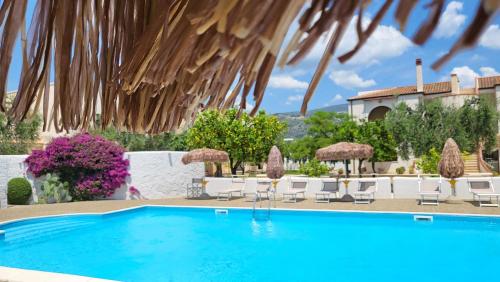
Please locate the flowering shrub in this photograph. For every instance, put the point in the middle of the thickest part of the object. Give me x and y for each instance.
(92, 165)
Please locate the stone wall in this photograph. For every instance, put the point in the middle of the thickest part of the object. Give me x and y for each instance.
(155, 174)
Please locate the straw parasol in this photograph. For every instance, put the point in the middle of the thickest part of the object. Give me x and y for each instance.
(204, 155)
(451, 164)
(345, 151)
(151, 65)
(274, 169)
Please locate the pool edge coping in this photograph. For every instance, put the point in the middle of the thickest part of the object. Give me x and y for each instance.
(239, 208)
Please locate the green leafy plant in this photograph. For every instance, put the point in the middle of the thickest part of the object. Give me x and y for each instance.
(428, 163)
(18, 191)
(247, 139)
(17, 138)
(313, 168)
(400, 170)
(417, 130)
(55, 190)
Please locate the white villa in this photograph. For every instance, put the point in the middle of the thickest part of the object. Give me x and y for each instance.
(374, 104)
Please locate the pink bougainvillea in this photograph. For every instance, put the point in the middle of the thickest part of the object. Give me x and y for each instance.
(92, 165)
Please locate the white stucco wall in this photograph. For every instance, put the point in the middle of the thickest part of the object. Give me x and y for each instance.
(155, 174)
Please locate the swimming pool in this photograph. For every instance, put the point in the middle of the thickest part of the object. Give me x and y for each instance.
(196, 244)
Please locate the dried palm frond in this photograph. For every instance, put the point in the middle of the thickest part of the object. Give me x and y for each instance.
(152, 65)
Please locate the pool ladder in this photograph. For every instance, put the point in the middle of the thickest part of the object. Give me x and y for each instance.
(255, 210)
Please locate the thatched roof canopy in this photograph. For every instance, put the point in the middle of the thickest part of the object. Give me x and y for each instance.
(205, 155)
(275, 169)
(451, 164)
(151, 65)
(344, 151)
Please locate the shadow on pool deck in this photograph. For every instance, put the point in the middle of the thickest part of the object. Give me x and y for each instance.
(16, 212)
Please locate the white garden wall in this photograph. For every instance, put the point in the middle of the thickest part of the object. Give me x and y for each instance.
(155, 174)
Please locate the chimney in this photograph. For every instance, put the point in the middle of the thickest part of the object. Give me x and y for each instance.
(420, 77)
(455, 84)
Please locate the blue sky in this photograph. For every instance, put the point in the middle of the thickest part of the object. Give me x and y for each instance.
(386, 60)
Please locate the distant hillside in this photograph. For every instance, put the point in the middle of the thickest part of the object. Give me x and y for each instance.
(296, 126)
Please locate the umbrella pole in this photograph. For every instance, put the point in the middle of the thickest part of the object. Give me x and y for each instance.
(347, 197)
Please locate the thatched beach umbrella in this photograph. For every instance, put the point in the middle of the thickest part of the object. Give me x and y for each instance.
(451, 164)
(151, 65)
(205, 155)
(345, 151)
(274, 168)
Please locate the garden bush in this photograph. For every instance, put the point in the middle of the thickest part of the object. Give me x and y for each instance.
(428, 163)
(400, 170)
(18, 191)
(314, 168)
(93, 166)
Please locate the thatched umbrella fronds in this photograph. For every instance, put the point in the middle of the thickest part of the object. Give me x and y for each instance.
(274, 169)
(151, 65)
(204, 155)
(344, 151)
(451, 164)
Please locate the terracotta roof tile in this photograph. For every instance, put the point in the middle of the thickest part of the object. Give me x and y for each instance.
(488, 82)
(429, 89)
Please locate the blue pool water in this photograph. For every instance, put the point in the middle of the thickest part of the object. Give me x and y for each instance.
(189, 244)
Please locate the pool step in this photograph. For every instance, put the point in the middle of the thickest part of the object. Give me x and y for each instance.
(43, 230)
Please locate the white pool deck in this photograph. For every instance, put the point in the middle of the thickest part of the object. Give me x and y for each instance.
(10, 274)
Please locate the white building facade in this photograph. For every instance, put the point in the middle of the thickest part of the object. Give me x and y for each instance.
(373, 105)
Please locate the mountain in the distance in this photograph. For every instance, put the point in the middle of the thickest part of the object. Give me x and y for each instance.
(296, 126)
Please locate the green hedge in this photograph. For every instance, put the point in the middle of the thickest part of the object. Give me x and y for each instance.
(18, 191)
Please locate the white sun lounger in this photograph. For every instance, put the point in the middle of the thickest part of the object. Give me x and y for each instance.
(483, 192)
(262, 191)
(329, 191)
(365, 192)
(296, 187)
(237, 188)
(429, 190)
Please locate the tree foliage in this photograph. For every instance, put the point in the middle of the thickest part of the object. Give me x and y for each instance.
(17, 138)
(428, 126)
(376, 134)
(166, 141)
(243, 137)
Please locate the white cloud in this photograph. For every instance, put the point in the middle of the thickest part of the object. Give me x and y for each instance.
(350, 79)
(336, 98)
(385, 42)
(451, 20)
(293, 99)
(286, 82)
(488, 71)
(466, 75)
(491, 37)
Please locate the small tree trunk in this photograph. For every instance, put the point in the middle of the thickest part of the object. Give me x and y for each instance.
(373, 166)
(359, 166)
(218, 170)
